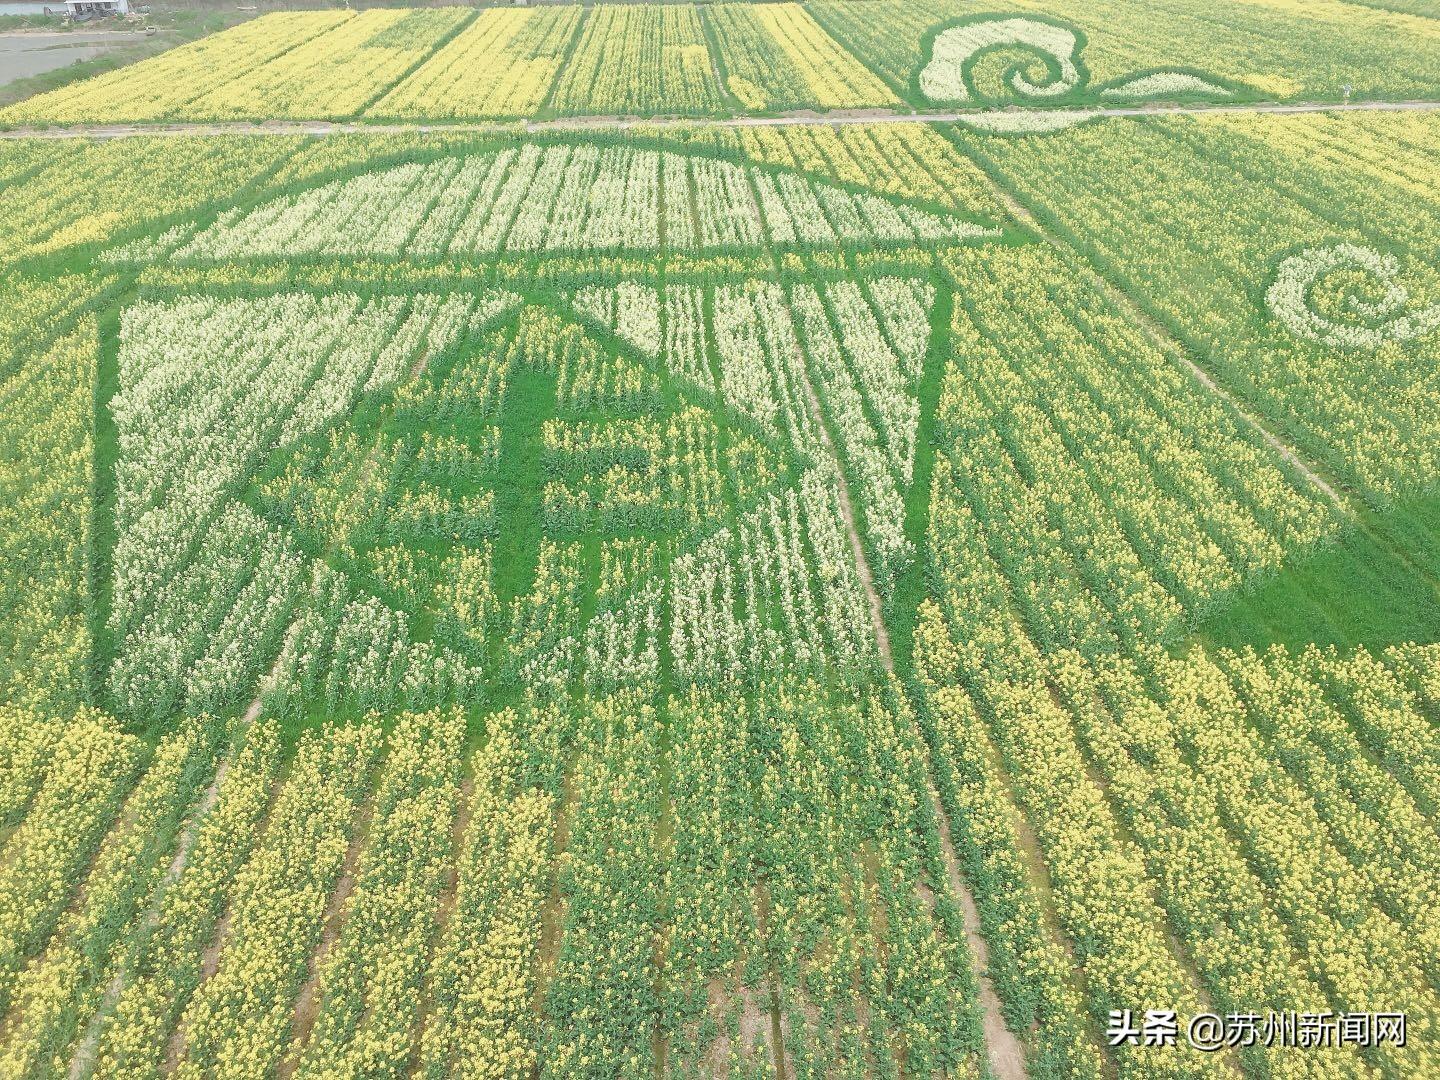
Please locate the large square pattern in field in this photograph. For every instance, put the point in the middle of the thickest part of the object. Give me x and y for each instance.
(426, 487)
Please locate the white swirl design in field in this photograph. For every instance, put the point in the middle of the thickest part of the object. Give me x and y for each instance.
(947, 75)
(1377, 320)
(1163, 83)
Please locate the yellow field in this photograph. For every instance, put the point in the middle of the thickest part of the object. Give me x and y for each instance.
(502, 64)
(162, 87)
(336, 73)
(836, 79)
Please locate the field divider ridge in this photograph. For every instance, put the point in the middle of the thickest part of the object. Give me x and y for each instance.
(439, 43)
(1003, 1049)
(123, 130)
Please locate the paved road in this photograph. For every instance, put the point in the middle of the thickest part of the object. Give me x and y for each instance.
(324, 127)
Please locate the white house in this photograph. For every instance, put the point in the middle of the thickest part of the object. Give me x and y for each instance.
(80, 10)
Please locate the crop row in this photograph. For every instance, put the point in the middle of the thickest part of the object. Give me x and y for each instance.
(906, 161)
(70, 803)
(64, 985)
(236, 1022)
(790, 864)
(367, 985)
(169, 952)
(1219, 816)
(1120, 497)
(168, 83)
(672, 922)
(502, 64)
(777, 56)
(638, 59)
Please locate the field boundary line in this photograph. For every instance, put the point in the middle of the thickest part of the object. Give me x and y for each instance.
(1003, 1049)
(124, 130)
(441, 42)
(717, 64)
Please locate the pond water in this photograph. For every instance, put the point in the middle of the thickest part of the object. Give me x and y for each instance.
(9, 7)
(34, 53)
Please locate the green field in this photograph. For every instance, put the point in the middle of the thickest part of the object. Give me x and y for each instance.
(643, 592)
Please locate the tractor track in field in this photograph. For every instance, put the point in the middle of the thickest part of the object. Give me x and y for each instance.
(83, 1060)
(612, 123)
(1004, 1051)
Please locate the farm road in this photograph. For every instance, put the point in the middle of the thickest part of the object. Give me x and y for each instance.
(610, 123)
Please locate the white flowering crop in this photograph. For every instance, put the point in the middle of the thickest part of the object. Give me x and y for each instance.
(1291, 297)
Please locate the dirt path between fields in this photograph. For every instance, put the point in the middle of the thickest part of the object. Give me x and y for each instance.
(610, 123)
(83, 1060)
(1003, 1049)
(444, 915)
(1007, 1055)
(307, 1002)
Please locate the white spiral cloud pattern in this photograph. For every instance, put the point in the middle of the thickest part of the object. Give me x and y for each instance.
(1290, 299)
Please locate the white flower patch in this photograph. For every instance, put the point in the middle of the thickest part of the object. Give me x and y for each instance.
(685, 352)
(668, 326)
(949, 78)
(1163, 84)
(630, 311)
(1377, 321)
(490, 306)
(623, 646)
(558, 198)
(1028, 122)
(760, 361)
(208, 387)
(944, 77)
